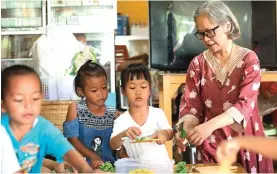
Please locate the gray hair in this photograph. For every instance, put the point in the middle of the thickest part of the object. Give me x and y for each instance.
(219, 12)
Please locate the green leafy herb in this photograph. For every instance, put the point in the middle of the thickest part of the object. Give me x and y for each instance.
(181, 168)
(107, 167)
(183, 133)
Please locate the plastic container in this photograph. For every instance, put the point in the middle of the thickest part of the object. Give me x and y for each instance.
(126, 165)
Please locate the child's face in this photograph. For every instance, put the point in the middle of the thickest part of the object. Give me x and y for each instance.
(137, 92)
(82, 39)
(23, 99)
(95, 90)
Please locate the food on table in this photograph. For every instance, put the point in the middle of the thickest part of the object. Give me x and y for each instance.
(181, 168)
(144, 140)
(141, 171)
(107, 167)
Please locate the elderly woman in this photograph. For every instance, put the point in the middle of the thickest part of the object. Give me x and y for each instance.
(220, 99)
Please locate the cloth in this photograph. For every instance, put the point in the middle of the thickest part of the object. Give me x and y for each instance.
(211, 90)
(43, 139)
(9, 162)
(144, 151)
(93, 131)
(271, 88)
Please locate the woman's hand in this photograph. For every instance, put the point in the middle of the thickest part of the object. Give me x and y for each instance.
(95, 164)
(198, 134)
(227, 149)
(132, 132)
(182, 141)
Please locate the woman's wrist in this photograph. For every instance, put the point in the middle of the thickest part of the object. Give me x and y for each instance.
(188, 125)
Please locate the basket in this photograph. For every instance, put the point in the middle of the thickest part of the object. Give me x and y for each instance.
(55, 112)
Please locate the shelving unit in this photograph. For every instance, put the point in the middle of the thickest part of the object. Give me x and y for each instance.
(135, 44)
(23, 32)
(17, 59)
(96, 19)
(130, 38)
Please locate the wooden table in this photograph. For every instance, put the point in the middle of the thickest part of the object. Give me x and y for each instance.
(239, 168)
(170, 82)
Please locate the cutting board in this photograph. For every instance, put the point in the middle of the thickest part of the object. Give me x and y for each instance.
(214, 169)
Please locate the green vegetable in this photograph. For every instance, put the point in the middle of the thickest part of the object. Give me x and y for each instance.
(183, 133)
(107, 167)
(140, 139)
(181, 168)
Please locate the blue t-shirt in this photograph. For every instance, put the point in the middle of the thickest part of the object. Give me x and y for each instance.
(93, 131)
(43, 139)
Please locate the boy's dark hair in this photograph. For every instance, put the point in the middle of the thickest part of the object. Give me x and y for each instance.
(90, 69)
(137, 70)
(15, 70)
(79, 35)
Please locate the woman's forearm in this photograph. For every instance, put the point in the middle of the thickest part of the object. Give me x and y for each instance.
(265, 146)
(221, 121)
(188, 122)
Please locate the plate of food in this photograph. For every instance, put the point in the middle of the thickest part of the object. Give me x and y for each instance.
(144, 140)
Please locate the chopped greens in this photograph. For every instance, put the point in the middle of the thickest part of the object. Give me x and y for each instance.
(140, 139)
(107, 167)
(181, 168)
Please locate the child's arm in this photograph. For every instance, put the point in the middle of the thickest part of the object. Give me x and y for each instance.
(50, 164)
(262, 145)
(116, 141)
(163, 135)
(122, 153)
(57, 146)
(71, 115)
(165, 132)
(117, 113)
(75, 159)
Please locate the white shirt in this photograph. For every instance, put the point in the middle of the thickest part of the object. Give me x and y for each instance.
(144, 151)
(9, 162)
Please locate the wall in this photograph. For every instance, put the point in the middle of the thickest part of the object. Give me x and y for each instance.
(136, 10)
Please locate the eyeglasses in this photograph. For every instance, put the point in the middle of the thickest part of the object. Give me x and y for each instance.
(209, 33)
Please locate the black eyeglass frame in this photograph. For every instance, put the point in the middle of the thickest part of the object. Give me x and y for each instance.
(205, 33)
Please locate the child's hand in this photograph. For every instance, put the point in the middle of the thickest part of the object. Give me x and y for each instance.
(227, 150)
(64, 168)
(59, 167)
(132, 132)
(161, 135)
(95, 164)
